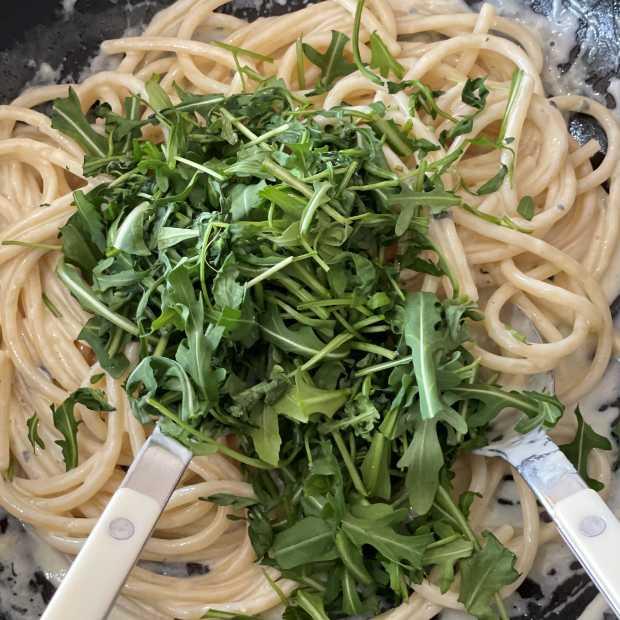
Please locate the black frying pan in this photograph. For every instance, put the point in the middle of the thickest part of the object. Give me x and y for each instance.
(36, 31)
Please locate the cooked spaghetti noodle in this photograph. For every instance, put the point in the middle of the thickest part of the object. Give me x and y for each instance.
(550, 266)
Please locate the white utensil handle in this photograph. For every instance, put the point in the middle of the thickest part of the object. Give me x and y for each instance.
(592, 531)
(93, 581)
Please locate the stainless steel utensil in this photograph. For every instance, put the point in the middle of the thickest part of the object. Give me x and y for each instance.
(584, 521)
(95, 578)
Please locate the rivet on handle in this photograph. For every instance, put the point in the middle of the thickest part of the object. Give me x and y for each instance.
(121, 528)
(592, 526)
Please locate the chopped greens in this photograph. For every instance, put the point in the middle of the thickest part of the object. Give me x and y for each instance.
(32, 424)
(578, 451)
(65, 422)
(254, 257)
(526, 208)
(332, 62)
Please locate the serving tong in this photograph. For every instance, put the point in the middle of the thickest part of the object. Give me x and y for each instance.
(585, 522)
(97, 575)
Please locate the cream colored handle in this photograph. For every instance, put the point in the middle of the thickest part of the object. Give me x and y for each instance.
(592, 531)
(91, 585)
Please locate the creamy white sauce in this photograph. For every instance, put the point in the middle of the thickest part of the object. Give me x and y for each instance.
(68, 6)
(44, 75)
(557, 35)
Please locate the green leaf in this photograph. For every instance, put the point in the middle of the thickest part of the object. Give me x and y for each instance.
(492, 185)
(437, 200)
(92, 220)
(72, 279)
(312, 604)
(578, 451)
(153, 373)
(423, 335)
(227, 291)
(245, 198)
(234, 501)
(303, 399)
(475, 92)
(266, 436)
(406, 550)
(169, 236)
(309, 540)
(360, 415)
(543, 409)
(484, 574)
(130, 234)
(423, 460)
(445, 556)
(299, 339)
(376, 467)
(83, 237)
(99, 333)
(526, 208)
(158, 99)
(67, 116)
(382, 59)
(352, 558)
(241, 51)
(32, 423)
(332, 63)
(260, 532)
(464, 126)
(65, 422)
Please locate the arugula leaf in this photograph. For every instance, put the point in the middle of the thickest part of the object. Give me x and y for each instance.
(484, 574)
(312, 604)
(99, 334)
(130, 233)
(493, 184)
(436, 200)
(332, 62)
(260, 532)
(407, 550)
(543, 409)
(266, 436)
(245, 198)
(475, 92)
(158, 99)
(423, 460)
(32, 423)
(446, 554)
(234, 501)
(578, 451)
(424, 338)
(526, 208)
(241, 51)
(460, 128)
(303, 399)
(308, 540)
(382, 59)
(65, 422)
(67, 116)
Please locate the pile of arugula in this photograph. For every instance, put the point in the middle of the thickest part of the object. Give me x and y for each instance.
(254, 254)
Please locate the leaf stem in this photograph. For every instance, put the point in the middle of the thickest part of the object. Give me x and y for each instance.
(346, 457)
(445, 501)
(224, 449)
